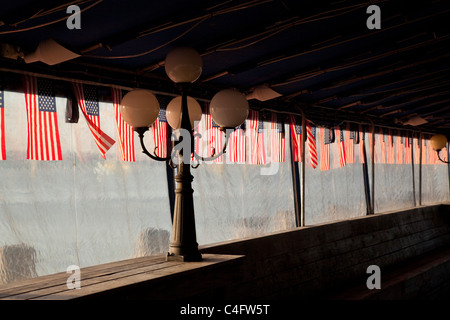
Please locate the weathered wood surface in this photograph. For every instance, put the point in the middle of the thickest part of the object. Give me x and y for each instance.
(127, 279)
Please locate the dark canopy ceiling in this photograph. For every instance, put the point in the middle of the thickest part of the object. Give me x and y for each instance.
(319, 55)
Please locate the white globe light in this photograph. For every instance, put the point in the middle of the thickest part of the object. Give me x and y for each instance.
(139, 108)
(229, 108)
(183, 65)
(438, 141)
(173, 112)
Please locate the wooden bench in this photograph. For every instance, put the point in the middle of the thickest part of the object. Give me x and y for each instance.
(141, 278)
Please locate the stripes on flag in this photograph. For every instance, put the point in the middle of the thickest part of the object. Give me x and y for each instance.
(296, 139)
(341, 141)
(407, 148)
(258, 153)
(159, 130)
(277, 139)
(237, 144)
(350, 144)
(417, 154)
(124, 130)
(88, 102)
(383, 142)
(390, 147)
(311, 137)
(362, 143)
(372, 147)
(2, 125)
(43, 133)
(214, 136)
(325, 142)
(424, 150)
(400, 147)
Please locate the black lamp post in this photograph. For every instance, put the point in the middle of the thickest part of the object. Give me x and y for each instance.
(140, 108)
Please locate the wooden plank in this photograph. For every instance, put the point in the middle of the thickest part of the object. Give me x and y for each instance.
(60, 278)
(111, 276)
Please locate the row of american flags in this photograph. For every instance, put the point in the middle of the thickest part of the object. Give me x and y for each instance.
(257, 141)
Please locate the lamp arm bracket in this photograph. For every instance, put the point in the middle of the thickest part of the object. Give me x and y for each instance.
(213, 154)
(439, 156)
(141, 132)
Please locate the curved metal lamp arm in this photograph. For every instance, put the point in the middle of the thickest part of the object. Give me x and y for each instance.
(141, 132)
(439, 156)
(213, 155)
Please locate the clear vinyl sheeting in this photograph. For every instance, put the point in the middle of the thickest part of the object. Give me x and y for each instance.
(85, 210)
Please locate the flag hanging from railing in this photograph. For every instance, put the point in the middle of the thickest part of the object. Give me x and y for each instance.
(277, 139)
(362, 143)
(43, 133)
(350, 144)
(325, 142)
(407, 148)
(312, 147)
(258, 153)
(296, 139)
(124, 130)
(159, 130)
(87, 98)
(424, 150)
(383, 142)
(390, 147)
(400, 147)
(341, 142)
(2, 125)
(214, 136)
(237, 144)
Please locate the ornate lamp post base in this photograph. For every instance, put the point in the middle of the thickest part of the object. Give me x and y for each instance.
(184, 245)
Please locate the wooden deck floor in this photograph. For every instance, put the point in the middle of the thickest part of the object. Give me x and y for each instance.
(142, 277)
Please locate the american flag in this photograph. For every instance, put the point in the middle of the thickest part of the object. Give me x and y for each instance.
(417, 150)
(296, 139)
(362, 143)
(88, 102)
(159, 130)
(214, 136)
(369, 141)
(325, 141)
(124, 130)
(407, 148)
(237, 145)
(342, 155)
(311, 136)
(258, 153)
(390, 147)
(2, 126)
(383, 138)
(424, 150)
(43, 133)
(350, 144)
(277, 139)
(400, 147)
(431, 154)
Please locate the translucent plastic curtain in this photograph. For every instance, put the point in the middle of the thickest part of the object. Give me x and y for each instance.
(336, 193)
(393, 181)
(238, 200)
(83, 210)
